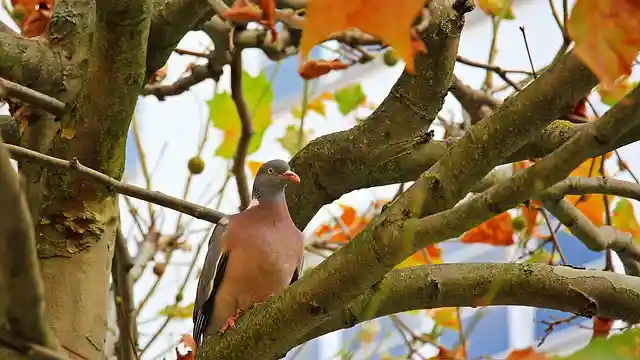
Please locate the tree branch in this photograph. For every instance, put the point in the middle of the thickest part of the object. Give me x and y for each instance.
(137, 192)
(23, 93)
(29, 62)
(242, 149)
(23, 293)
(576, 185)
(583, 292)
(123, 298)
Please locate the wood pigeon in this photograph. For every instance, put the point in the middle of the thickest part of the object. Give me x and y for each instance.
(252, 254)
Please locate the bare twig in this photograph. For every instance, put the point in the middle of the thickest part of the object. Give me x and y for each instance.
(137, 192)
(244, 114)
(23, 93)
(123, 293)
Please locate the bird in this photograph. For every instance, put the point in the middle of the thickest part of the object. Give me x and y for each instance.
(251, 255)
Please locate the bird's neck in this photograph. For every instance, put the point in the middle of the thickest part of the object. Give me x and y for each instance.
(276, 204)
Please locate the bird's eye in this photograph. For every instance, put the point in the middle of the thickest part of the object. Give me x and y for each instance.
(270, 171)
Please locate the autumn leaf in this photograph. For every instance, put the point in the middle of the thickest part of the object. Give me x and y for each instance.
(624, 218)
(32, 16)
(290, 139)
(446, 317)
(369, 331)
(315, 68)
(592, 205)
(222, 112)
(389, 20)
(624, 346)
(601, 326)
(177, 311)
(254, 166)
(351, 225)
(542, 256)
(499, 8)
(606, 35)
(349, 98)
(495, 231)
(526, 354)
(530, 215)
(612, 93)
(317, 105)
(432, 254)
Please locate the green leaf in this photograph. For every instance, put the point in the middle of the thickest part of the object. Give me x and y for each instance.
(624, 218)
(223, 114)
(177, 311)
(290, 139)
(619, 347)
(349, 98)
(542, 256)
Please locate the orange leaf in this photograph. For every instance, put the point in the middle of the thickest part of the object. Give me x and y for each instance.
(244, 13)
(606, 35)
(530, 214)
(316, 68)
(496, 231)
(254, 166)
(389, 20)
(526, 354)
(186, 349)
(269, 14)
(601, 326)
(37, 16)
(432, 254)
(591, 205)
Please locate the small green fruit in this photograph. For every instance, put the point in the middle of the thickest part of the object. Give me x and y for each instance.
(390, 58)
(518, 223)
(196, 165)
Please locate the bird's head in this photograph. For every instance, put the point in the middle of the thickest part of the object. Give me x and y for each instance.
(271, 179)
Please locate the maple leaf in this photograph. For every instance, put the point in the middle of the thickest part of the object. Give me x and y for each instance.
(254, 166)
(499, 8)
(389, 20)
(495, 231)
(526, 354)
(592, 205)
(315, 68)
(606, 35)
(624, 219)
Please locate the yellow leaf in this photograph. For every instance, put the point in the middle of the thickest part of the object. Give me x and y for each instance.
(447, 317)
(67, 133)
(606, 35)
(429, 255)
(500, 8)
(254, 166)
(612, 93)
(389, 20)
(624, 219)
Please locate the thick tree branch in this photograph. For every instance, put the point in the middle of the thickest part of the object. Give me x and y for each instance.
(137, 192)
(583, 292)
(29, 62)
(244, 114)
(22, 292)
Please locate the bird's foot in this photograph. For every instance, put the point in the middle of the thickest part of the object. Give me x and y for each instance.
(231, 322)
(262, 302)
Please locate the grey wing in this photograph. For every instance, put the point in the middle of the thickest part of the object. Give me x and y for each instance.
(298, 271)
(212, 272)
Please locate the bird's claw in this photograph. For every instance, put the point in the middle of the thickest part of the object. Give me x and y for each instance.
(231, 322)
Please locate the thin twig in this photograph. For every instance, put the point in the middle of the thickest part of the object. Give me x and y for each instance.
(23, 93)
(137, 192)
(244, 114)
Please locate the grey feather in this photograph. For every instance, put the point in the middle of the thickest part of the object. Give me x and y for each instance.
(209, 282)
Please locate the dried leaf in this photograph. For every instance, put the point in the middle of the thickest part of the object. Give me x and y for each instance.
(496, 231)
(499, 8)
(526, 354)
(315, 68)
(606, 35)
(389, 20)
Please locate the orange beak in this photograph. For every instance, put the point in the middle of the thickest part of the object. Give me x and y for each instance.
(291, 176)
